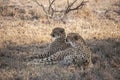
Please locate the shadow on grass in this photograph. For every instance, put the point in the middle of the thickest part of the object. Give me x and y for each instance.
(106, 59)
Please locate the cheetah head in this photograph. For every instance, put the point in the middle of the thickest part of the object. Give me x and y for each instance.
(58, 33)
(73, 39)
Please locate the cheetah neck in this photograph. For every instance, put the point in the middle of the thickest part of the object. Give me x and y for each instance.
(60, 39)
(79, 46)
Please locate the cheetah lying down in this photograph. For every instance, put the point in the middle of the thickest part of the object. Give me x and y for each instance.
(79, 54)
(57, 45)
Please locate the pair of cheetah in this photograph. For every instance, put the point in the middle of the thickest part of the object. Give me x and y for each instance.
(69, 50)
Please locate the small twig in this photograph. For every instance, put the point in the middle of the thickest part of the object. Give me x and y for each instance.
(50, 5)
(41, 6)
(77, 7)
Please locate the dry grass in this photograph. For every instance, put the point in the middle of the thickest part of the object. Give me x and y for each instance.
(23, 29)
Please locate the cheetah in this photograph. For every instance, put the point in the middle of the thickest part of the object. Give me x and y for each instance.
(60, 55)
(82, 55)
(57, 45)
(79, 54)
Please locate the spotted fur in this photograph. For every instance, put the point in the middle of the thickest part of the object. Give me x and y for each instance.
(60, 55)
(57, 45)
(65, 56)
(82, 57)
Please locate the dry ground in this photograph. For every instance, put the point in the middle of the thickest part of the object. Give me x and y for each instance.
(24, 31)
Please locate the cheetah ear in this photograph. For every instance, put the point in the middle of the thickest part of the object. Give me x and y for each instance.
(76, 37)
(62, 30)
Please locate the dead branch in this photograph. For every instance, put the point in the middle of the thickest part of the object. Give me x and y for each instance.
(50, 5)
(79, 6)
(51, 12)
(41, 6)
